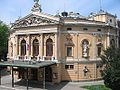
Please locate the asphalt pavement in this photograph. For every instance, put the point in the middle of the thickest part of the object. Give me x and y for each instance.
(34, 85)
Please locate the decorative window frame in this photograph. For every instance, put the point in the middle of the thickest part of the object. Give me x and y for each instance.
(69, 67)
(88, 45)
(21, 47)
(33, 46)
(67, 51)
(69, 43)
(99, 44)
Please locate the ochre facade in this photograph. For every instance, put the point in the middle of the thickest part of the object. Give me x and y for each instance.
(74, 42)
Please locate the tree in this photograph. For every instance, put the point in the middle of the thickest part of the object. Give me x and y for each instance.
(3, 40)
(111, 72)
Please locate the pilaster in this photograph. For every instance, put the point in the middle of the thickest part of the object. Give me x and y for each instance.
(94, 46)
(28, 44)
(41, 48)
(108, 39)
(56, 46)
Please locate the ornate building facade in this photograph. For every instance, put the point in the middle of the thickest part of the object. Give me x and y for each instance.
(74, 42)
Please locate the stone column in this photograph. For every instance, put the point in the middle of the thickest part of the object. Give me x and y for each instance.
(15, 47)
(94, 46)
(56, 47)
(28, 43)
(19, 45)
(44, 47)
(58, 73)
(108, 39)
(9, 47)
(31, 46)
(59, 45)
(41, 48)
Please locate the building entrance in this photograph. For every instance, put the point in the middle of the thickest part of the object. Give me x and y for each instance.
(34, 74)
(48, 74)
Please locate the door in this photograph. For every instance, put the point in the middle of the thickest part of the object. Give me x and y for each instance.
(48, 74)
(34, 74)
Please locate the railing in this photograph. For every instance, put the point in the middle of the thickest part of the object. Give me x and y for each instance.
(36, 58)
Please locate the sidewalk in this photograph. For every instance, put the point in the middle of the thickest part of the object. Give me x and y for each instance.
(21, 85)
(78, 85)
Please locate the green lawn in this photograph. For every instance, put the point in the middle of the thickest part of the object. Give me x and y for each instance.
(96, 87)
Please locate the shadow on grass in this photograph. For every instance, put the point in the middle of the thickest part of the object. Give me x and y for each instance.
(96, 87)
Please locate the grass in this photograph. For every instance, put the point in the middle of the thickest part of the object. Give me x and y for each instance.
(96, 87)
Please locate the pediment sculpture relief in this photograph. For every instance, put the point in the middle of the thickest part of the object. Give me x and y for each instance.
(33, 21)
(69, 37)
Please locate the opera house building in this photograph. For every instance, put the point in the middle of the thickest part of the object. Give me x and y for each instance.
(61, 47)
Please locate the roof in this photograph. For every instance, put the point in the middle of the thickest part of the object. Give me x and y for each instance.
(102, 12)
(26, 64)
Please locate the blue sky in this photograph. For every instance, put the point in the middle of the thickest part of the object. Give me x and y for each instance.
(10, 10)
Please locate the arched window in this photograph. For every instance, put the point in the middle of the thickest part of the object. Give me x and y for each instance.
(85, 48)
(35, 47)
(23, 47)
(49, 47)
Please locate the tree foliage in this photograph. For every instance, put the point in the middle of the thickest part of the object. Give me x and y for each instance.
(111, 72)
(3, 40)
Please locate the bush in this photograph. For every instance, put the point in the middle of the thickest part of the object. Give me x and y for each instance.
(111, 72)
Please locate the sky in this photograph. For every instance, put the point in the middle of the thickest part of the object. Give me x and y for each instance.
(11, 10)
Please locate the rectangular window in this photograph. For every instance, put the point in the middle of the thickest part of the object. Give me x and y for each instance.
(69, 66)
(85, 29)
(66, 66)
(69, 51)
(69, 28)
(99, 30)
(99, 51)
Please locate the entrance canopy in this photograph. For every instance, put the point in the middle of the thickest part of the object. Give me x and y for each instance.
(26, 64)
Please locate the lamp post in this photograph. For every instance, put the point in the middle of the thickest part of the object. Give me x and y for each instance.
(27, 78)
(0, 75)
(12, 78)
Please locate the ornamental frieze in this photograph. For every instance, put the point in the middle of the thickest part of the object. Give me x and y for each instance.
(69, 37)
(33, 21)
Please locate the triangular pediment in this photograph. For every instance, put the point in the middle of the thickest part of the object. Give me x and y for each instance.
(36, 19)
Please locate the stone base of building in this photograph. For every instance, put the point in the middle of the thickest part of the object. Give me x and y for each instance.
(63, 72)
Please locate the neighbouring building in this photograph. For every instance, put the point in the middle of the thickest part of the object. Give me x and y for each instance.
(72, 41)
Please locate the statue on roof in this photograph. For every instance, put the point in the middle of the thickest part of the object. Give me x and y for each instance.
(36, 0)
(36, 7)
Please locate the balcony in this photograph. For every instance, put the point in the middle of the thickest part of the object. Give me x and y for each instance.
(36, 58)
